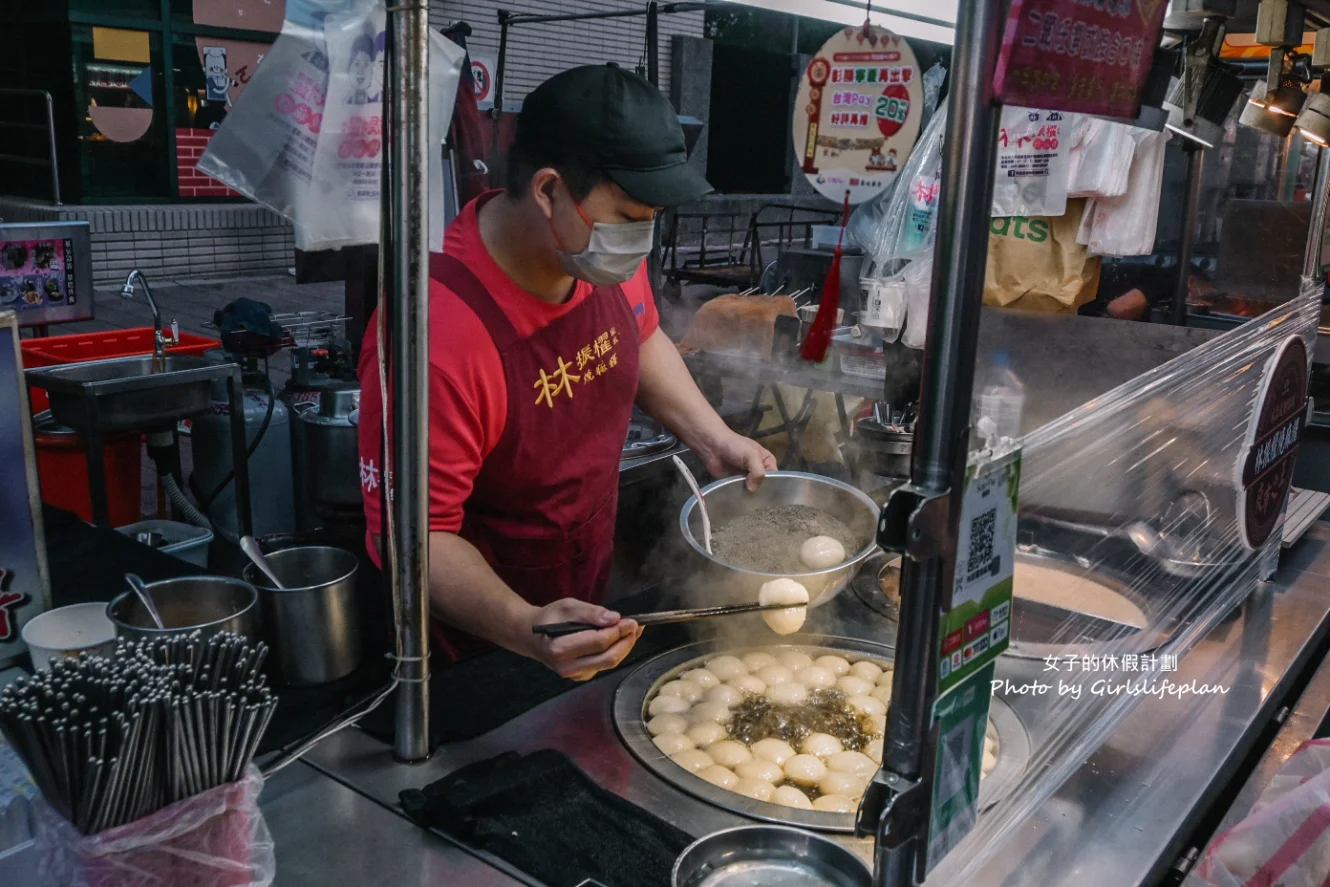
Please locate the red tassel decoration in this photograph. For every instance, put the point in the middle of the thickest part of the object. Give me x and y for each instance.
(819, 334)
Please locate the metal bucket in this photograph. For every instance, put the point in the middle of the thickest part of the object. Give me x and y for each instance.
(762, 855)
(208, 604)
(312, 625)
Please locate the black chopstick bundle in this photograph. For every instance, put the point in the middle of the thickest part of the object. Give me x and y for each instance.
(108, 741)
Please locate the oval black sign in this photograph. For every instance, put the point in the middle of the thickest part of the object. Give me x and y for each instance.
(1272, 442)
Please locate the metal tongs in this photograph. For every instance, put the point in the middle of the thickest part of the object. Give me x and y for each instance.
(663, 617)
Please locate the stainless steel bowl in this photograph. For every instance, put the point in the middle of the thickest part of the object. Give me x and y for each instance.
(729, 499)
(765, 855)
(209, 604)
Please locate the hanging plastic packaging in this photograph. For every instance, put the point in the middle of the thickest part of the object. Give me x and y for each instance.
(1125, 226)
(904, 223)
(918, 277)
(884, 304)
(1286, 838)
(1100, 162)
(305, 138)
(1033, 147)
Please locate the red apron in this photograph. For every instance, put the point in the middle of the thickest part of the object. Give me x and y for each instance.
(543, 506)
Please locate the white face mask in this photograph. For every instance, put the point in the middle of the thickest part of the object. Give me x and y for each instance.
(612, 255)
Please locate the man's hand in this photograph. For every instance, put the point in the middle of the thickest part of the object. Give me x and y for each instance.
(732, 453)
(581, 656)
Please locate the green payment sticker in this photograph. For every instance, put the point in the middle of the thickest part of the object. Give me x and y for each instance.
(960, 719)
(976, 628)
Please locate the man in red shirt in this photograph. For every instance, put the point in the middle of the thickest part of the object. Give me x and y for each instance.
(543, 334)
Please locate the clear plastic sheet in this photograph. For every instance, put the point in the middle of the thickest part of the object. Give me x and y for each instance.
(1142, 457)
(305, 138)
(214, 839)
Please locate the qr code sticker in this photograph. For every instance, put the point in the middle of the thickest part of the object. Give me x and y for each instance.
(955, 753)
(980, 559)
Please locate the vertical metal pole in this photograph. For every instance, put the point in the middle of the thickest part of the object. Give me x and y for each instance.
(409, 256)
(653, 43)
(942, 429)
(1191, 210)
(235, 395)
(50, 136)
(1311, 262)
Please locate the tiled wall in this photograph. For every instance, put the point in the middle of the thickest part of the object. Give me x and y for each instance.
(179, 242)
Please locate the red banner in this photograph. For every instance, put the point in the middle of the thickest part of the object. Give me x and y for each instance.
(1087, 56)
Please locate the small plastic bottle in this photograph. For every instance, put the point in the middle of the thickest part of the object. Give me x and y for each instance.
(997, 408)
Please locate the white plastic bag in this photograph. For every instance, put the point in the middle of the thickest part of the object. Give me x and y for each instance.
(1285, 840)
(918, 277)
(884, 304)
(1033, 148)
(218, 837)
(305, 138)
(1100, 162)
(1126, 225)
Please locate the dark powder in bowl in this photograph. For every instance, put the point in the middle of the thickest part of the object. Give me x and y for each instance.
(768, 539)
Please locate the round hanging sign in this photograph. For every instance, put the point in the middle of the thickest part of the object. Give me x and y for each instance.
(858, 111)
(1265, 469)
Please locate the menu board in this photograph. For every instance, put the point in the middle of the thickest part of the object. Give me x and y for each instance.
(857, 114)
(1073, 55)
(44, 272)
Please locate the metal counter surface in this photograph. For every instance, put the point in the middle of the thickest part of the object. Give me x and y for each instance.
(1299, 725)
(325, 833)
(1121, 819)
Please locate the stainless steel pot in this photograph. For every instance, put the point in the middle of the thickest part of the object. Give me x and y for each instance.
(729, 499)
(209, 604)
(312, 625)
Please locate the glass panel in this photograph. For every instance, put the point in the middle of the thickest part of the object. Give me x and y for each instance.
(122, 128)
(136, 8)
(210, 74)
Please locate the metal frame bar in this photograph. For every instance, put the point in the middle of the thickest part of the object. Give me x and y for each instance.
(941, 433)
(408, 255)
(1191, 210)
(1311, 262)
(54, 161)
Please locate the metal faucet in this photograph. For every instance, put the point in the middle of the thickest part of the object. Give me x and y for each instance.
(159, 340)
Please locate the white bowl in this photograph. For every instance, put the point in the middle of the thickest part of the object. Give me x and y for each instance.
(67, 632)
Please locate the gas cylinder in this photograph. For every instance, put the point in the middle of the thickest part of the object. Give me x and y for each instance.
(272, 502)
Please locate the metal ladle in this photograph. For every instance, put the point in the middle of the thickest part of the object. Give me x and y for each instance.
(701, 502)
(250, 546)
(141, 590)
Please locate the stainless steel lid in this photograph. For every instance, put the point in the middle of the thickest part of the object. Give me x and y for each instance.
(645, 437)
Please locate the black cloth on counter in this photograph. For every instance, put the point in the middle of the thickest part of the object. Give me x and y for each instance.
(543, 815)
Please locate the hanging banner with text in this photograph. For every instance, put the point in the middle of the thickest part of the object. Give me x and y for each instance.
(1088, 56)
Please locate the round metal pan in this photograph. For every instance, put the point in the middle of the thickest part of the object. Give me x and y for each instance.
(629, 719)
(1034, 637)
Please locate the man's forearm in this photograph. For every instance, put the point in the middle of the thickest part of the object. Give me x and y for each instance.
(667, 391)
(465, 592)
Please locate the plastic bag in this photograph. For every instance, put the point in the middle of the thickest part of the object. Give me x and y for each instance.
(1286, 838)
(305, 138)
(1125, 226)
(905, 222)
(214, 839)
(884, 304)
(1100, 162)
(1033, 148)
(918, 277)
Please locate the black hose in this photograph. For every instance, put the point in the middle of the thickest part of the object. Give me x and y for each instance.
(205, 502)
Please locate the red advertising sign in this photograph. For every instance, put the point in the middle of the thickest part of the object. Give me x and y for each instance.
(1088, 56)
(1274, 431)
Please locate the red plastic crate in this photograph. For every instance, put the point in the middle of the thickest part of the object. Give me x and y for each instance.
(84, 347)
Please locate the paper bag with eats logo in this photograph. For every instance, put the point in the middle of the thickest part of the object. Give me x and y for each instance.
(1035, 263)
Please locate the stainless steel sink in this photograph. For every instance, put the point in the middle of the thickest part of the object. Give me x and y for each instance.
(125, 393)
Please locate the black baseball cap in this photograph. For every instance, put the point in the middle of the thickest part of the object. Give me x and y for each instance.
(620, 121)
